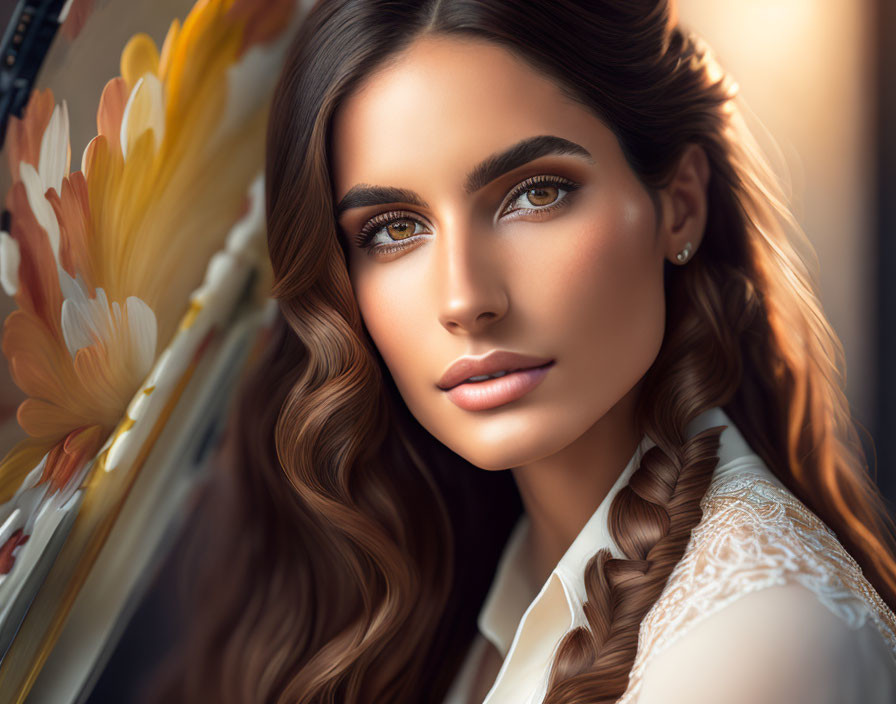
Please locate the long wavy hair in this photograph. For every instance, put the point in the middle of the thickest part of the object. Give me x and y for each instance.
(344, 552)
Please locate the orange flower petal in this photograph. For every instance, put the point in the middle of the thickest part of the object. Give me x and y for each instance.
(73, 212)
(41, 419)
(70, 455)
(38, 281)
(24, 135)
(111, 109)
(84, 440)
(111, 386)
(38, 362)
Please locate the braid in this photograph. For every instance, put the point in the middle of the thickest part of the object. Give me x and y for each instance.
(651, 518)
(621, 591)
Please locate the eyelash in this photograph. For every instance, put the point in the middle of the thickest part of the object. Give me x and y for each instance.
(364, 238)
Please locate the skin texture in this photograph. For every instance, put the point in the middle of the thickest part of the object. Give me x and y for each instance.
(577, 278)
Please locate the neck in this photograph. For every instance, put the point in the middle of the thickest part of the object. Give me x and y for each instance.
(562, 491)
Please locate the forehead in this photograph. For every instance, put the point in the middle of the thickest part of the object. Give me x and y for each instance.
(442, 105)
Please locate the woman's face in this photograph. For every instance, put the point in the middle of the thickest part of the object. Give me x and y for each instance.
(496, 215)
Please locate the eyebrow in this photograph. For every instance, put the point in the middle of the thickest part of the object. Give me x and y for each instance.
(490, 168)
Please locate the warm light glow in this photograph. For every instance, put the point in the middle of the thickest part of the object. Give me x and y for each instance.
(804, 70)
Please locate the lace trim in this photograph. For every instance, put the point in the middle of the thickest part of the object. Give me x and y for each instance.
(755, 534)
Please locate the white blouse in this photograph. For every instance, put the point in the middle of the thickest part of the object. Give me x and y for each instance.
(764, 606)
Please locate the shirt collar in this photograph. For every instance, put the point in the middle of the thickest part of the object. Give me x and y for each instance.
(509, 600)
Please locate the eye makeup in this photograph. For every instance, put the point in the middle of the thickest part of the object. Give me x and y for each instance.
(540, 183)
(545, 183)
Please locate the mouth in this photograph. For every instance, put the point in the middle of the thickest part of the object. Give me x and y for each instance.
(497, 375)
(497, 364)
(484, 391)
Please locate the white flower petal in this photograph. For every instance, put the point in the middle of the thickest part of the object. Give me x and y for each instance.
(102, 315)
(143, 330)
(86, 321)
(130, 333)
(30, 502)
(55, 150)
(71, 288)
(75, 329)
(10, 256)
(116, 315)
(149, 113)
(33, 476)
(40, 206)
(19, 511)
(157, 115)
(84, 155)
(15, 521)
(126, 118)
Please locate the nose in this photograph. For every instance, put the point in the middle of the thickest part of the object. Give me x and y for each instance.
(471, 291)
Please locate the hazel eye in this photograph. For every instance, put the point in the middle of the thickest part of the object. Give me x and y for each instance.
(542, 195)
(385, 232)
(539, 194)
(400, 229)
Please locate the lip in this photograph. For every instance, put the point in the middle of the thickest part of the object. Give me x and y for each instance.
(524, 373)
(482, 395)
(494, 361)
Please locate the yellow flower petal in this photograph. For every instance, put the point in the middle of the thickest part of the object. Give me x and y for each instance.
(140, 212)
(145, 111)
(169, 42)
(104, 167)
(140, 55)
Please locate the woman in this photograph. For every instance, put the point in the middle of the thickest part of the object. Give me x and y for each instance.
(561, 195)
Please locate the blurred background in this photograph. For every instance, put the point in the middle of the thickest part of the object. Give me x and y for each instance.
(818, 77)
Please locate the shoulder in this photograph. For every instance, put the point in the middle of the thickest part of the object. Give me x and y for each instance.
(765, 596)
(780, 644)
(755, 534)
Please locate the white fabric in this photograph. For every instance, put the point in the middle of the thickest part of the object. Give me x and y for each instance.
(793, 619)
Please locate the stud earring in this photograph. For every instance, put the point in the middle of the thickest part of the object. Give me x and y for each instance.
(683, 255)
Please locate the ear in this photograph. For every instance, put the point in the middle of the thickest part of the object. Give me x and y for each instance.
(684, 205)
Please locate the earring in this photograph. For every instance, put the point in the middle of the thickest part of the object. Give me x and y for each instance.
(683, 255)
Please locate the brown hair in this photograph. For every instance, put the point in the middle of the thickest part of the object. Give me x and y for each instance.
(339, 559)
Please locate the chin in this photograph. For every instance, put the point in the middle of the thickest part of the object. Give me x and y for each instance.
(509, 441)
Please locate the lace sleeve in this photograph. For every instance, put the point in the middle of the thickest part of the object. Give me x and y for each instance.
(755, 534)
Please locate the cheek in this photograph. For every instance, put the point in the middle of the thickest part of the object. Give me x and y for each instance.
(391, 315)
(608, 286)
